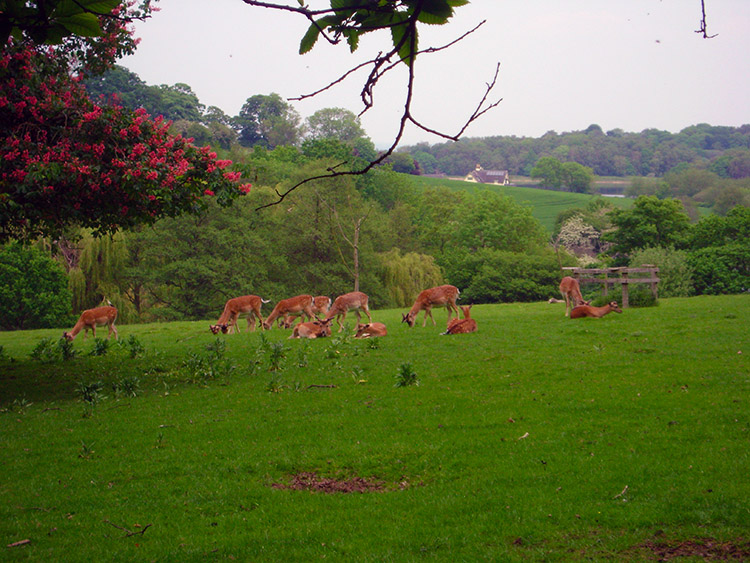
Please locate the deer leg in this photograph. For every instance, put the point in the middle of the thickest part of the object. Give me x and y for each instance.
(366, 309)
(340, 319)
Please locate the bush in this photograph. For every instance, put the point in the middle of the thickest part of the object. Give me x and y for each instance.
(675, 275)
(494, 276)
(721, 269)
(33, 290)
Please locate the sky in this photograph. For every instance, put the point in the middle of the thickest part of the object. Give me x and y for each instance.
(564, 65)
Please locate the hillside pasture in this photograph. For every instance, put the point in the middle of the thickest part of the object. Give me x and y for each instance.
(537, 438)
(545, 204)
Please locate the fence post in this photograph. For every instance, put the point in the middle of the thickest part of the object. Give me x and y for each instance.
(624, 274)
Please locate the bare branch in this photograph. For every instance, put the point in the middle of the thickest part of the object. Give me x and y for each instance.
(381, 65)
(703, 26)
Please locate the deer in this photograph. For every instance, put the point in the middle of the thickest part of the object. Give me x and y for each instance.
(294, 306)
(596, 312)
(462, 326)
(90, 319)
(354, 301)
(247, 304)
(321, 304)
(370, 330)
(312, 329)
(571, 292)
(443, 295)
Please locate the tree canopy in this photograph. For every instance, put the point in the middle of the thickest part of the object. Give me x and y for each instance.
(65, 160)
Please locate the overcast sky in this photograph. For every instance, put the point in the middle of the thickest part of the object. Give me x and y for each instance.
(627, 64)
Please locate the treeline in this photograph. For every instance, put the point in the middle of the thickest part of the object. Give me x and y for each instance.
(722, 150)
(376, 231)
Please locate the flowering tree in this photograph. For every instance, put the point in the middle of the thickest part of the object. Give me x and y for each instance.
(65, 160)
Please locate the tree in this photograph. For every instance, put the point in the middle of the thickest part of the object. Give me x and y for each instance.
(577, 178)
(269, 121)
(65, 160)
(650, 222)
(334, 123)
(550, 171)
(33, 289)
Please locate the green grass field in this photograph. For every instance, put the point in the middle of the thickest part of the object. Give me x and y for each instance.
(538, 438)
(545, 204)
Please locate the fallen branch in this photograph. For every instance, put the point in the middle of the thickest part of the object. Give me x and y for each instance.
(19, 543)
(322, 386)
(129, 532)
(625, 490)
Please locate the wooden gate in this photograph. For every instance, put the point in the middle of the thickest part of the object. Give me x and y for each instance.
(612, 276)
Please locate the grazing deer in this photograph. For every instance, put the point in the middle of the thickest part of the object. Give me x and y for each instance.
(571, 292)
(354, 301)
(247, 304)
(90, 319)
(370, 330)
(294, 306)
(313, 329)
(321, 303)
(443, 295)
(595, 312)
(462, 326)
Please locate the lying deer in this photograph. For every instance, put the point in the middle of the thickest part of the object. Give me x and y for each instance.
(90, 319)
(462, 326)
(595, 312)
(443, 295)
(354, 301)
(571, 292)
(370, 330)
(312, 329)
(247, 304)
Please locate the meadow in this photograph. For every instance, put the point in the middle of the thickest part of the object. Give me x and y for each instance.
(545, 205)
(537, 438)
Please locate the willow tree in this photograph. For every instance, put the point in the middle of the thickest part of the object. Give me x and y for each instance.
(405, 275)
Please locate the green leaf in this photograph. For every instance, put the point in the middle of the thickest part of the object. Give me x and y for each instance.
(435, 12)
(85, 25)
(309, 39)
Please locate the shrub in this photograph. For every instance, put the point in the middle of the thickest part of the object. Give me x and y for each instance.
(494, 276)
(33, 290)
(675, 275)
(721, 269)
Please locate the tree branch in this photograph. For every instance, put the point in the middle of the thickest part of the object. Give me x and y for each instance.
(380, 66)
(703, 29)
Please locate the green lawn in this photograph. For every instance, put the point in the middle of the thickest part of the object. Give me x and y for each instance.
(538, 438)
(545, 204)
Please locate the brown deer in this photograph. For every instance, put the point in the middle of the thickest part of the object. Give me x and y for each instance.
(596, 312)
(354, 301)
(295, 306)
(443, 295)
(312, 329)
(462, 326)
(247, 304)
(321, 303)
(371, 330)
(90, 319)
(571, 292)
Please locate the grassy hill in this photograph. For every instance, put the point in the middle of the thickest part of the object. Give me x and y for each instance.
(545, 204)
(538, 438)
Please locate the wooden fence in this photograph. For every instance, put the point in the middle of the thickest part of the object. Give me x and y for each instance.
(612, 276)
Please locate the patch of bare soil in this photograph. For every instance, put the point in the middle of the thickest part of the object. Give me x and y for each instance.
(707, 549)
(310, 481)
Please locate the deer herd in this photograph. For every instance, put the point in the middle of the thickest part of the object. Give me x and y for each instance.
(303, 313)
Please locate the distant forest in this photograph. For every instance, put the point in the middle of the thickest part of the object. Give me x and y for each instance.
(725, 151)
